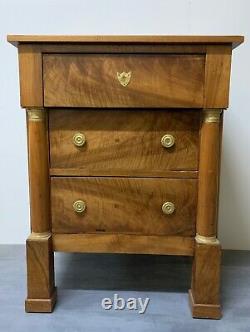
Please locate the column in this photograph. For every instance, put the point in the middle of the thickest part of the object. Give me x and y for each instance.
(205, 288)
(39, 252)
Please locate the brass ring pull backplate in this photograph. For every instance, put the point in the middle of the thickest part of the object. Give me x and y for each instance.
(79, 139)
(79, 206)
(168, 208)
(167, 141)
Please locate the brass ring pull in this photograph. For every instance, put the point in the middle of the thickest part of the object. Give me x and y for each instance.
(167, 141)
(168, 208)
(79, 206)
(79, 139)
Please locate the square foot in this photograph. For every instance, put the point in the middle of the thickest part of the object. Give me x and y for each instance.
(41, 305)
(211, 311)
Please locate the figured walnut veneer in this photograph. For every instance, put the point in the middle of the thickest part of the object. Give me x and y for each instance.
(156, 80)
(135, 204)
(124, 142)
(102, 178)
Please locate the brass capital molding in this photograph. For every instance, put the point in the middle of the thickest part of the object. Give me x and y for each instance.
(39, 236)
(206, 239)
(36, 114)
(211, 115)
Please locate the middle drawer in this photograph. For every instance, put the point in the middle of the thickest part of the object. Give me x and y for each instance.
(120, 143)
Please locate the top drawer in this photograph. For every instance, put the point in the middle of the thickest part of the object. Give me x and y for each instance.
(123, 80)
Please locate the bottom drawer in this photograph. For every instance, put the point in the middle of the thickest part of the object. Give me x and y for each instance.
(123, 205)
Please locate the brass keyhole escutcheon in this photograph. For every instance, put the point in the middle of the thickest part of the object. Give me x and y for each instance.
(124, 77)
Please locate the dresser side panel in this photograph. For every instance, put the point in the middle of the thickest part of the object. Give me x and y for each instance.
(217, 76)
(30, 75)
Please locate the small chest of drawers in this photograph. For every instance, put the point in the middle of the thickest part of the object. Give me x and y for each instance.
(124, 140)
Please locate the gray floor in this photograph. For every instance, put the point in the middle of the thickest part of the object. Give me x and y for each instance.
(83, 280)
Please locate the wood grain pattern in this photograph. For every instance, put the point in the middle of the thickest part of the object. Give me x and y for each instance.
(209, 166)
(205, 289)
(233, 40)
(217, 78)
(39, 173)
(30, 76)
(123, 142)
(122, 172)
(72, 80)
(124, 243)
(40, 275)
(123, 205)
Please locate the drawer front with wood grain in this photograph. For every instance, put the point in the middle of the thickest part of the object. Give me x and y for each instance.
(123, 205)
(110, 142)
(123, 80)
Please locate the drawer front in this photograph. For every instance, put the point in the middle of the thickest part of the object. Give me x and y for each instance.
(125, 80)
(123, 205)
(123, 142)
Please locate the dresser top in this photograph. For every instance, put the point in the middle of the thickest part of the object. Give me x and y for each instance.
(234, 40)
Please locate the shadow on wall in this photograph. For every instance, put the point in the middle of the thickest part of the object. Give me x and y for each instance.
(233, 230)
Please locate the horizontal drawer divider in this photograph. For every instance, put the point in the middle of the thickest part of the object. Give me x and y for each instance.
(80, 173)
(124, 243)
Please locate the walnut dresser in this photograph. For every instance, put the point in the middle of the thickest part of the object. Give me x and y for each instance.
(124, 141)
